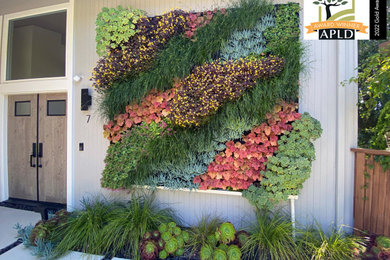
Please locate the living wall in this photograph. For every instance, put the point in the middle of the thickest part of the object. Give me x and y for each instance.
(205, 100)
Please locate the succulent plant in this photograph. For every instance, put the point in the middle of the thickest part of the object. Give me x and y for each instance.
(156, 235)
(147, 236)
(186, 236)
(179, 252)
(225, 233)
(212, 240)
(180, 241)
(163, 228)
(233, 252)
(241, 238)
(171, 225)
(160, 244)
(166, 236)
(224, 247)
(148, 249)
(163, 254)
(171, 245)
(219, 254)
(176, 231)
(206, 252)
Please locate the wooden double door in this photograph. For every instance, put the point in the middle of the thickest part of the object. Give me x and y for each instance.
(37, 147)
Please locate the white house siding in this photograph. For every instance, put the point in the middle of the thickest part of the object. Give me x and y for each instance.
(327, 195)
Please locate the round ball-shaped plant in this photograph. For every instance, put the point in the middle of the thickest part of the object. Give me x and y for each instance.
(163, 228)
(160, 244)
(179, 252)
(233, 252)
(206, 252)
(163, 254)
(171, 245)
(219, 254)
(171, 225)
(176, 231)
(186, 236)
(224, 247)
(226, 232)
(166, 236)
(212, 240)
(149, 250)
(180, 241)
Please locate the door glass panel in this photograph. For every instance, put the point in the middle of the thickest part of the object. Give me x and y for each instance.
(22, 108)
(56, 108)
(36, 47)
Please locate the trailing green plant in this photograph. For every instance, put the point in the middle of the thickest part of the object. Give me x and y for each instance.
(83, 229)
(211, 85)
(271, 238)
(287, 171)
(244, 43)
(336, 245)
(138, 53)
(114, 26)
(127, 224)
(122, 157)
(181, 55)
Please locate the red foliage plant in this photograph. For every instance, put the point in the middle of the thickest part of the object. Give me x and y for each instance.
(240, 164)
(198, 20)
(152, 108)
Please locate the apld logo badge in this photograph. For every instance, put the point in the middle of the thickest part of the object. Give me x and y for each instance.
(335, 20)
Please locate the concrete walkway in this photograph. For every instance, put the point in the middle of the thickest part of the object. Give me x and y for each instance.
(8, 219)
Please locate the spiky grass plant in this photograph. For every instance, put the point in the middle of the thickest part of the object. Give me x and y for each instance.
(127, 224)
(271, 238)
(83, 230)
(337, 245)
(200, 233)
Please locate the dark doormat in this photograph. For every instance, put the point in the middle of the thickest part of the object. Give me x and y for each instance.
(46, 209)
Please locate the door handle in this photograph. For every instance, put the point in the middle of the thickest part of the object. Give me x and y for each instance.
(40, 154)
(33, 155)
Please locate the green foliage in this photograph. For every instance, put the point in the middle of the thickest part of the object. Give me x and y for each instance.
(82, 231)
(128, 223)
(286, 29)
(44, 228)
(122, 157)
(182, 54)
(226, 233)
(200, 233)
(381, 137)
(233, 252)
(290, 167)
(206, 252)
(271, 238)
(336, 245)
(115, 26)
(219, 254)
(43, 249)
(243, 43)
(383, 243)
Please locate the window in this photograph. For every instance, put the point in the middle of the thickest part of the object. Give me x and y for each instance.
(56, 107)
(22, 108)
(36, 47)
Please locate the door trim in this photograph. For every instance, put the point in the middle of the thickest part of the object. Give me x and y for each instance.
(36, 86)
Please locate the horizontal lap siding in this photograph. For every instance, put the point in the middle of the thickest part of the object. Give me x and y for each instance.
(13, 6)
(317, 97)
